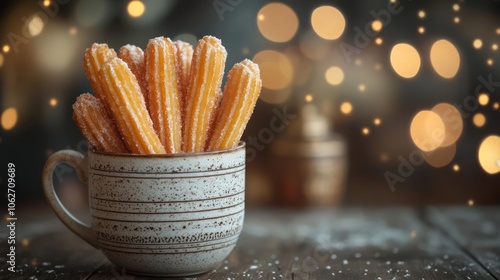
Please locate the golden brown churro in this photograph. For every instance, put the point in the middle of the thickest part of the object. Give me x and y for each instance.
(240, 95)
(134, 57)
(93, 60)
(93, 120)
(161, 73)
(123, 96)
(207, 69)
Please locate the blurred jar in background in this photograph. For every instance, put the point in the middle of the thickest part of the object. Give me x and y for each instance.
(309, 163)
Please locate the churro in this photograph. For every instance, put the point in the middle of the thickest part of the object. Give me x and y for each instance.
(123, 96)
(134, 57)
(93, 120)
(94, 58)
(205, 78)
(183, 56)
(161, 73)
(241, 92)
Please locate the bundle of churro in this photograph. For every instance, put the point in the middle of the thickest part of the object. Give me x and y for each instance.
(166, 99)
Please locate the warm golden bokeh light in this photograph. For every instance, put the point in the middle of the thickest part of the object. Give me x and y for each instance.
(379, 41)
(496, 105)
(452, 120)
(421, 14)
(53, 102)
(73, 31)
(489, 154)
(46, 3)
(334, 75)
(377, 25)
(456, 167)
(6, 48)
(277, 22)
(405, 60)
(445, 58)
(494, 47)
(456, 20)
(489, 61)
(483, 99)
(427, 130)
(309, 98)
(479, 120)
(377, 121)
(328, 22)
(477, 43)
(361, 88)
(365, 131)
(470, 202)
(136, 8)
(441, 156)
(276, 69)
(456, 7)
(421, 30)
(35, 26)
(9, 118)
(346, 108)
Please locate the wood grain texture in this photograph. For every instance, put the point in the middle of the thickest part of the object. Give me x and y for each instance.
(387, 243)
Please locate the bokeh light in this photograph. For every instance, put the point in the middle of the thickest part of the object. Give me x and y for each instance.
(496, 105)
(456, 167)
(73, 31)
(489, 61)
(470, 202)
(365, 131)
(421, 14)
(9, 118)
(346, 108)
(477, 43)
(421, 30)
(405, 60)
(328, 22)
(53, 102)
(456, 20)
(452, 120)
(489, 154)
(334, 75)
(312, 46)
(136, 8)
(456, 7)
(494, 47)
(377, 121)
(379, 41)
(6, 48)
(427, 130)
(479, 120)
(377, 25)
(361, 87)
(308, 98)
(1, 60)
(276, 69)
(277, 22)
(441, 156)
(35, 26)
(445, 58)
(483, 99)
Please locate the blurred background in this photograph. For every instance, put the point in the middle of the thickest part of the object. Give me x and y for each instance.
(364, 102)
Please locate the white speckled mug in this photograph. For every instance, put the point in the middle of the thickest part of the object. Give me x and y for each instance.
(159, 215)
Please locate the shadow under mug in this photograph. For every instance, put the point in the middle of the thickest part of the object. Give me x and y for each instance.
(159, 215)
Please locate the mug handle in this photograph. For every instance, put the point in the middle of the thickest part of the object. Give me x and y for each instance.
(74, 159)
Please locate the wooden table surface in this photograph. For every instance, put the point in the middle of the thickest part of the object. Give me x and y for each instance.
(346, 243)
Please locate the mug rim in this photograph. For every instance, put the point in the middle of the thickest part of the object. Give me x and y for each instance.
(241, 145)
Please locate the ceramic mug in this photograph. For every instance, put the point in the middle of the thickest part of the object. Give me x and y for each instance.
(158, 215)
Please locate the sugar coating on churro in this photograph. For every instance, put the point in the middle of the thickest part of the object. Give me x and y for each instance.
(164, 108)
(241, 92)
(96, 125)
(93, 59)
(123, 96)
(207, 69)
(134, 57)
